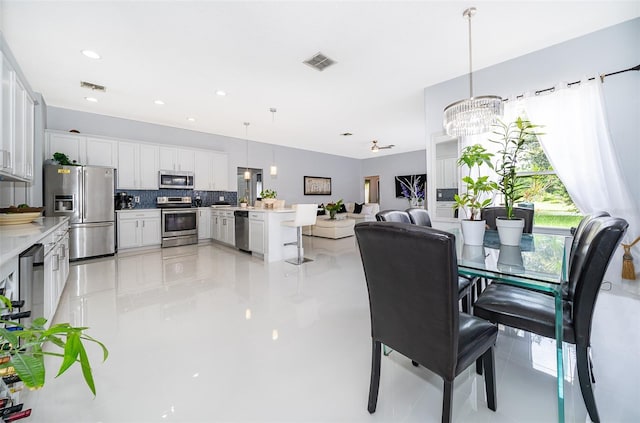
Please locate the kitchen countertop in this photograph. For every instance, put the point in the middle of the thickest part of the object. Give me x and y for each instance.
(17, 238)
(253, 209)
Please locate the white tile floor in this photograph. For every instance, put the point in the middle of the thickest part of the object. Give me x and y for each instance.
(208, 334)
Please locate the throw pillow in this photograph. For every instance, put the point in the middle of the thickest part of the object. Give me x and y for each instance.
(357, 208)
(367, 209)
(343, 209)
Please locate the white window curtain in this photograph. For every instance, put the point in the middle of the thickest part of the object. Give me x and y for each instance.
(578, 145)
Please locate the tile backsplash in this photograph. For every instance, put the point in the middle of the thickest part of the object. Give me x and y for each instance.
(148, 198)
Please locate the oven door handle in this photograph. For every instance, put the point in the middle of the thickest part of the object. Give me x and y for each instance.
(180, 211)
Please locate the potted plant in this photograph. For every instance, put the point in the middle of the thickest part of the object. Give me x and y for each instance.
(513, 138)
(268, 197)
(333, 208)
(243, 202)
(24, 349)
(474, 197)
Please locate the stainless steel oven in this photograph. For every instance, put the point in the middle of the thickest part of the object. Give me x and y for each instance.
(179, 221)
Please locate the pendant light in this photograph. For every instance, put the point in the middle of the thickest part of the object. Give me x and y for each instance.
(273, 169)
(247, 173)
(474, 115)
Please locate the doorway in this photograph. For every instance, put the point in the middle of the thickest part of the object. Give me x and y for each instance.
(249, 188)
(372, 189)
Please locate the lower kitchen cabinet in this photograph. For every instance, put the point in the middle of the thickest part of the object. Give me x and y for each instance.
(256, 232)
(138, 228)
(223, 227)
(56, 269)
(204, 223)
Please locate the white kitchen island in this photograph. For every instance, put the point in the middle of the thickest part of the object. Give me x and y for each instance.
(267, 235)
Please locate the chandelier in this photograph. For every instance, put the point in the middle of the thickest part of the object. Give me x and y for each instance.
(474, 115)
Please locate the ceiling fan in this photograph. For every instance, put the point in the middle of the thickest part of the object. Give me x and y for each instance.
(375, 147)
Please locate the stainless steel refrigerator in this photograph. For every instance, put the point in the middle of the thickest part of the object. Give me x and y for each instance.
(85, 195)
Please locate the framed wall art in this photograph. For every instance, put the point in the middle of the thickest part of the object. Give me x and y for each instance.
(317, 185)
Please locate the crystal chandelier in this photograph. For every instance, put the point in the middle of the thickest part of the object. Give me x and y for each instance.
(474, 115)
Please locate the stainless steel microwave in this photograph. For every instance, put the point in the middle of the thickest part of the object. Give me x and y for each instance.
(175, 179)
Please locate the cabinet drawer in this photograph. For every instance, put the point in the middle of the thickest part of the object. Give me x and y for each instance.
(256, 216)
(138, 214)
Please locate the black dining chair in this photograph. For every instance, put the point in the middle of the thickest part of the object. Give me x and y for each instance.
(535, 311)
(491, 213)
(419, 216)
(393, 216)
(410, 272)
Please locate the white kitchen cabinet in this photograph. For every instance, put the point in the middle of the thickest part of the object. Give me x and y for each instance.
(220, 169)
(137, 166)
(16, 125)
(256, 232)
(74, 146)
(56, 269)
(138, 228)
(204, 223)
(101, 152)
(172, 158)
(211, 171)
(447, 173)
(224, 227)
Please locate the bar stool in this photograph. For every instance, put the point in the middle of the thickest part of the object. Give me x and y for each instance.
(305, 216)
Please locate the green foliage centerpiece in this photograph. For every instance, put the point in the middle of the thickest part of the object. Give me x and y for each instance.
(333, 208)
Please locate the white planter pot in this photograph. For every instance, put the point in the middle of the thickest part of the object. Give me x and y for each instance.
(473, 231)
(510, 230)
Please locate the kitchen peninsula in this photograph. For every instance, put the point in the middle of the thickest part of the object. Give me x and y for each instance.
(267, 235)
(52, 233)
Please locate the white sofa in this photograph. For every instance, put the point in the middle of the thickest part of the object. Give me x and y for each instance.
(368, 213)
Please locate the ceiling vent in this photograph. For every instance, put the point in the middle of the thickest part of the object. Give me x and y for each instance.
(94, 87)
(319, 62)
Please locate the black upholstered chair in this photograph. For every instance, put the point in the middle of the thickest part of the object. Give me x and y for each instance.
(411, 273)
(393, 216)
(535, 312)
(491, 213)
(419, 216)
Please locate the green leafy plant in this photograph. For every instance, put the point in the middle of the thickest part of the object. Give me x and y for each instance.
(268, 193)
(26, 350)
(63, 159)
(513, 137)
(243, 200)
(333, 208)
(474, 157)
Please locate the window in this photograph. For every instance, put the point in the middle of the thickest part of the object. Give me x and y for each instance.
(543, 190)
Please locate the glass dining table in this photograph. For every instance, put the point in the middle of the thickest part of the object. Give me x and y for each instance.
(538, 263)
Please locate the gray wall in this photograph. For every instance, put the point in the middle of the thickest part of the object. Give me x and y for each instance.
(292, 163)
(388, 167)
(604, 51)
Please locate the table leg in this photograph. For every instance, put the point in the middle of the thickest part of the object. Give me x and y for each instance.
(559, 356)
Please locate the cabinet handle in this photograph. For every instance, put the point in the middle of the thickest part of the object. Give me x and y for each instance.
(57, 262)
(137, 223)
(143, 223)
(63, 251)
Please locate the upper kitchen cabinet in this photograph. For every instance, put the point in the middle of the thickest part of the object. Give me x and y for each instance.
(137, 166)
(172, 158)
(92, 151)
(17, 104)
(211, 171)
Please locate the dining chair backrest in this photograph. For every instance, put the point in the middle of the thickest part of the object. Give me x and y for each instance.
(580, 231)
(491, 213)
(411, 273)
(594, 251)
(393, 216)
(419, 216)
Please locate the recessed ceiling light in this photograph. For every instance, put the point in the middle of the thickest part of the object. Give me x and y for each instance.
(221, 93)
(159, 102)
(191, 119)
(91, 54)
(346, 134)
(91, 99)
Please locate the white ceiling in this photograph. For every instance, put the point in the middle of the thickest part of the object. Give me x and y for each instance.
(183, 51)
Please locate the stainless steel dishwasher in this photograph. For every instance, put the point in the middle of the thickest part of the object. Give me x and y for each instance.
(242, 229)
